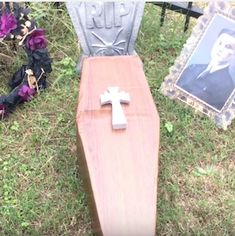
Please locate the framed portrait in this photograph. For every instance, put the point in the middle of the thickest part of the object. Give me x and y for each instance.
(203, 76)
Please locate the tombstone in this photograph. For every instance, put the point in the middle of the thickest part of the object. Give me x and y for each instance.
(106, 28)
(117, 121)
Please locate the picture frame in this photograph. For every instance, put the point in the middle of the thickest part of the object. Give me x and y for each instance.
(203, 76)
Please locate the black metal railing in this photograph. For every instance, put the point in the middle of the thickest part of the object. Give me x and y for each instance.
(185, 8)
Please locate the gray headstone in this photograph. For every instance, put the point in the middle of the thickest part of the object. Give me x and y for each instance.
(106, 28)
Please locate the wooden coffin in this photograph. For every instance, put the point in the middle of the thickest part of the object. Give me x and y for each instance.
(120, 166)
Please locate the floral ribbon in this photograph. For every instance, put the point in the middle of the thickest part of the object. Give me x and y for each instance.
(30, 78)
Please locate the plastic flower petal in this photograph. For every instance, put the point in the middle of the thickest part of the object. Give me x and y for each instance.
(36, 40)
(26, 93)
(8, 23)
(2, 111)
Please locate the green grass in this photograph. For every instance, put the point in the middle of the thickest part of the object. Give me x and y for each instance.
(41, 189)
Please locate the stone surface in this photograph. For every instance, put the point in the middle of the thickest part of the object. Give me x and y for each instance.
(106, 28)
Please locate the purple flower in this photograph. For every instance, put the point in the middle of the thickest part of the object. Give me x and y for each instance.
(26, 93)
(36, 40)
(8, 23)
(2, 111)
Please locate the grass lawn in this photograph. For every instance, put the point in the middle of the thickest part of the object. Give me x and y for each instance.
(40, 187)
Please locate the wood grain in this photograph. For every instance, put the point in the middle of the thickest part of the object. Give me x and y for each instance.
(121, 166)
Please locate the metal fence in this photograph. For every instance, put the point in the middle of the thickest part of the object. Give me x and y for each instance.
(185, 8)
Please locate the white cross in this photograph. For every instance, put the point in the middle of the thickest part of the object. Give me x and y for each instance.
(113, 96)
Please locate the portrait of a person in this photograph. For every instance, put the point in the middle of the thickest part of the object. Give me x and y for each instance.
(214, 82)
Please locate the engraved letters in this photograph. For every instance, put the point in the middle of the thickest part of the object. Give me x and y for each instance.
(94, 13)
(121, 9)
(106, 15)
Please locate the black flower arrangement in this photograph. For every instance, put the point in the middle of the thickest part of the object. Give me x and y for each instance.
(30, 78)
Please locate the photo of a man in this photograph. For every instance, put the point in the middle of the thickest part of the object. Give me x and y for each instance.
(213, 83)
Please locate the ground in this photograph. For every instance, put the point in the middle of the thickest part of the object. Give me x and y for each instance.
(41, 189)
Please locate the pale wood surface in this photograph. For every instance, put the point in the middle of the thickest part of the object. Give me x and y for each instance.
(122, 165)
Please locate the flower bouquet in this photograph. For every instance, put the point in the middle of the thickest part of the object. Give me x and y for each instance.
(30, 78)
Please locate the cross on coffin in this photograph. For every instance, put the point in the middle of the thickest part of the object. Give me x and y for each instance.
(115, 97)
